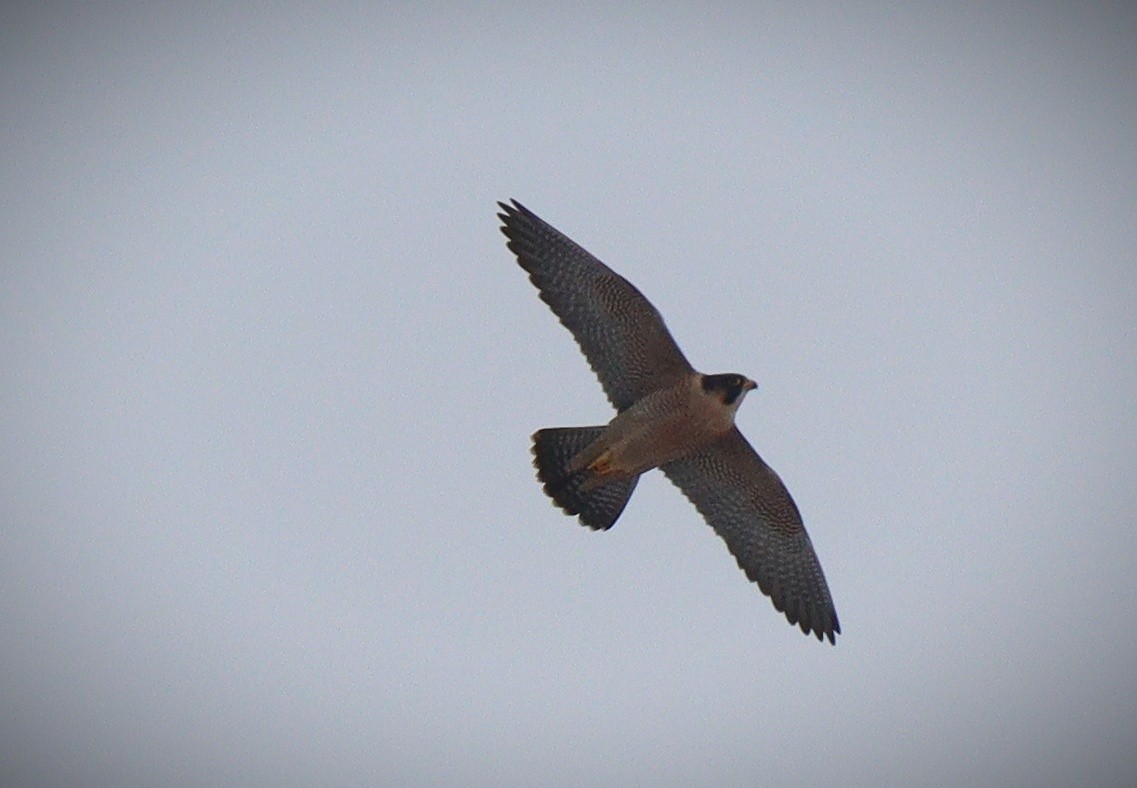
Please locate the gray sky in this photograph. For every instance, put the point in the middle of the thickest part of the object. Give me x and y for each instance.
(269, 375)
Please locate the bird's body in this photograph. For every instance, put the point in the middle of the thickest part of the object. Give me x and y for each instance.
(669, 416)
(662, 426)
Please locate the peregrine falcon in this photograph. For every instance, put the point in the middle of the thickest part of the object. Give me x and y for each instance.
(668, 416)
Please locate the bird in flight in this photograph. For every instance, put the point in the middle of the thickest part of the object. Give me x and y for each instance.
(668, 416)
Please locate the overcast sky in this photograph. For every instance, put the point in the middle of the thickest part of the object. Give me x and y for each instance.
(269, 375)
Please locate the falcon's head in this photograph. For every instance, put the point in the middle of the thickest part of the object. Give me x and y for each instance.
(729, 389)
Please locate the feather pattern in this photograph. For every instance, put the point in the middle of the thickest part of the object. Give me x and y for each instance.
(746, 503)
(621, 334)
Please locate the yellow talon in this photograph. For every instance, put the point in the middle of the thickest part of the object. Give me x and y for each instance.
(601, 465)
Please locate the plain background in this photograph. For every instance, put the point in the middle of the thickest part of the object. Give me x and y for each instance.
(269, 373)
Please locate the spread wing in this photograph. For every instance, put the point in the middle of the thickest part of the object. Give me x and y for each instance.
(621, 334)
(748, 506)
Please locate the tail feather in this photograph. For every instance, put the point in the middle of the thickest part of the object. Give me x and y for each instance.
(598, 507)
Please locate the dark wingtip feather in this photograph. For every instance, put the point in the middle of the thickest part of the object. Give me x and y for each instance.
(823, 629)
(511, 209)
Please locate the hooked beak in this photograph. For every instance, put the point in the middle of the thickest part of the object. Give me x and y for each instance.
(750, 385)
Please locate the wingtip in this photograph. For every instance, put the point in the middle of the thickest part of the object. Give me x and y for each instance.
(820, 633)
(504, 215)
(830, 632)
(511, 207)
(508, 217)
(822, 624)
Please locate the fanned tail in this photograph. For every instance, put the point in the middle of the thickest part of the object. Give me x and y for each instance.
(553, 449)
